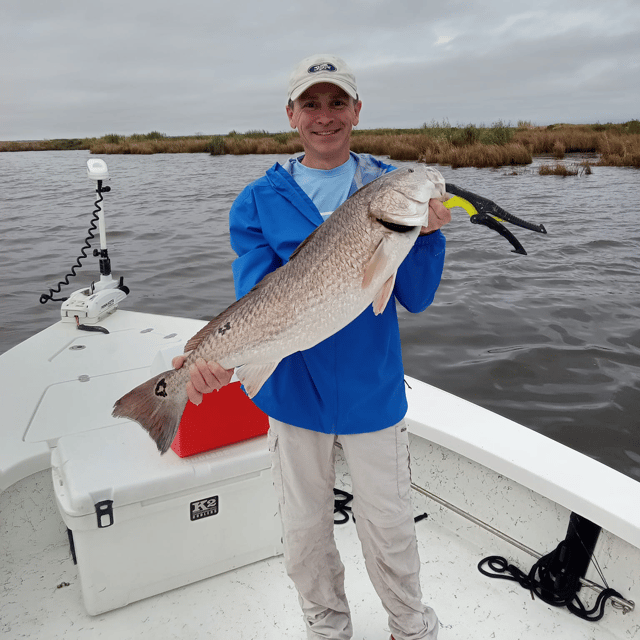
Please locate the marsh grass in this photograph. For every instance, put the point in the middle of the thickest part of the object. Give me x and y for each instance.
(557, 170)
(560, 169)
(616, 145)
(67, 144)
(435, 143)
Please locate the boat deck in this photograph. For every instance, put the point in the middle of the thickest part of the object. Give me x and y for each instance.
(501, 472)
(40, 594)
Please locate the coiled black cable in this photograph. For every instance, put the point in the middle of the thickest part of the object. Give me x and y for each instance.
(45, 297)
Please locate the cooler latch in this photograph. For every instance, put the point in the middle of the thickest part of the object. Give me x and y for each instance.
(104, 511)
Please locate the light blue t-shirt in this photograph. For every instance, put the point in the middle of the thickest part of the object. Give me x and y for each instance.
(327, 189)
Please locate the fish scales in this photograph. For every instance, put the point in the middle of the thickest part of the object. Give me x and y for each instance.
(348, 263)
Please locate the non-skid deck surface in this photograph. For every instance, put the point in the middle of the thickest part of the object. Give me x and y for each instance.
(256, 602)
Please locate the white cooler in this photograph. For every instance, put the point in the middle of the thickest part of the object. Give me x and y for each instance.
(143, 523)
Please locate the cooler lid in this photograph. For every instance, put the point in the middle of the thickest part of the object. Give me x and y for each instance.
(122, 464)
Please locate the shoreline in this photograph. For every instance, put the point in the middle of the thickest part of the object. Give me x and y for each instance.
(436, 143)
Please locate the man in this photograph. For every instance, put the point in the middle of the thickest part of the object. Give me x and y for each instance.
(350, 387)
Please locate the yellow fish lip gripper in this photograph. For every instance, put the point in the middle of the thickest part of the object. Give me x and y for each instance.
(487, 213)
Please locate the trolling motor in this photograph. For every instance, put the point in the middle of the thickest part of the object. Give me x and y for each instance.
(91, 305)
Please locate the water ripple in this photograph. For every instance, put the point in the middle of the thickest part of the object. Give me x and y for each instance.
(551, 340)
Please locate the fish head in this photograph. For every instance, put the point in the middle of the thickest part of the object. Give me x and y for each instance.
(403, 195)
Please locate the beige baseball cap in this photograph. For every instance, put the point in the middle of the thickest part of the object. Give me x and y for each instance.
(322, 67)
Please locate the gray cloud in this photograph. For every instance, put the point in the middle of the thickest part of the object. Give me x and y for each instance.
(86, 69)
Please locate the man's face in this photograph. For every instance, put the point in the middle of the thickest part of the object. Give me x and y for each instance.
(324, 116)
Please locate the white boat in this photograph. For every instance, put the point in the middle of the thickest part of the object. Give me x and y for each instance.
(489, 487)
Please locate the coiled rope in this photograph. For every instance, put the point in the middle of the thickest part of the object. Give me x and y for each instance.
(555, 590)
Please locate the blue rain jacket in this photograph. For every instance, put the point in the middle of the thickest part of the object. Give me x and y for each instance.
(352, 382)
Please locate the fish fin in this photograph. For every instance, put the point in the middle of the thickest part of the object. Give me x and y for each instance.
(222, 322)
(382, 297)
(377, 263)
(208, 329)
(194, 341)
(153, 409)
(303, 244)
(253, 376)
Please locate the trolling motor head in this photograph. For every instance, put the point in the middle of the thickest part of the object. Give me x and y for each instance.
(97, 169)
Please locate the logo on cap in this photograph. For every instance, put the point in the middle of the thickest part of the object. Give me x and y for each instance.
(323, 66)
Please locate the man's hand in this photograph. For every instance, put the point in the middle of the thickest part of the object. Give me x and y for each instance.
(439, 215)
(205, 377)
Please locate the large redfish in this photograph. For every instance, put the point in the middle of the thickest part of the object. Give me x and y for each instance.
(346, 264)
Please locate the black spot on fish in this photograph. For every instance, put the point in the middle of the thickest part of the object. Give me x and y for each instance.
(222, 330)
(161, 388)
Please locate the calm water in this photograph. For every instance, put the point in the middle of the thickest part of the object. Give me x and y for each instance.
(551, 340)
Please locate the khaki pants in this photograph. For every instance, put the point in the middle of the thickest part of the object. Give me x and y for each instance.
(304, 477)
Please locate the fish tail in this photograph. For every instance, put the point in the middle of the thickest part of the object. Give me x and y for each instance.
(154, 409)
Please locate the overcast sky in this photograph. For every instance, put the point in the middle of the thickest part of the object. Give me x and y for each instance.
(87, 68)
